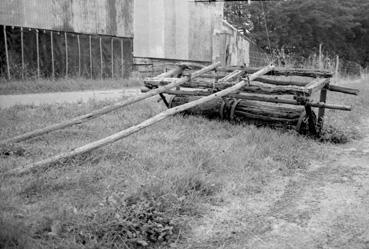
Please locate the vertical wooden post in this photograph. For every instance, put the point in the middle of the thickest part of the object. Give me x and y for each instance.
(79, 56)
(90, 44)
(52, 55)
(101, 59)
(122, 56)
(112, 57)
(22, 52)
(311, 121)
(337, 66)
(38, 53)
(66, 54)
(6, 53)
(320, 56)
(321, 113)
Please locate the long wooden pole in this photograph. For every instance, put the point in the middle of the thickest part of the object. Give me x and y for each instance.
(107, 109)
(125, 133)
(38, 53)
(22, 51)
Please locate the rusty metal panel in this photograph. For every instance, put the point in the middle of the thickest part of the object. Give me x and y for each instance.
(107, 17)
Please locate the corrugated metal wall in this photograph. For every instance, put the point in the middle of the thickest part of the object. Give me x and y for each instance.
(176, 29)
(106, 17)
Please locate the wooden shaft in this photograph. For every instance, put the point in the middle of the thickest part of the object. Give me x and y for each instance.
(79, 56)
(22, 51)
(101, 59)
(6, 53)
(90, 47)
(66, 54)
(105, 110)
(125, 133)
(38, 53)
(52, 55)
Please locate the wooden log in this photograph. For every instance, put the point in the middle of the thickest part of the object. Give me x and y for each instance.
(254, 87)
(341, 89)
(233, 75)
(256, 98)
(105, 110)
(215, 108)
(281, 82)
(125, 133)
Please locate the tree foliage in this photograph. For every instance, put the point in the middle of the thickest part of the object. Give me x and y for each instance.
(299, 26)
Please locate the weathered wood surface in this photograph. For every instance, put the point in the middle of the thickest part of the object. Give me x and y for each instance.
(316, 85)
(254, 87)
(242, 109)
(108, 109)
(256, 98)
(125, 133)
(341, 89)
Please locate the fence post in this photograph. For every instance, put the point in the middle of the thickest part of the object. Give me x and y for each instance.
(90, 44)
(337, 66)
(79, 56)
(52, 55)
(66, 54)
(320, 56)
(122, 56)
(101, 59)
(22, 52)
(112, 57)
(38, 53)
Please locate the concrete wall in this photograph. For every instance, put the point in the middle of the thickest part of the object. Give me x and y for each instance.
(106, 17)
(176, 29)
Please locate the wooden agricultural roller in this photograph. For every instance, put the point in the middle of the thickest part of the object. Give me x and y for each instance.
(282, 96)
(212, 94)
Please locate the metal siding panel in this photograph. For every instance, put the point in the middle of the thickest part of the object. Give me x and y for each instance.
(108, 17)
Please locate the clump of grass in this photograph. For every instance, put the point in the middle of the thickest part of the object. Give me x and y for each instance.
(332, 134)
(8, 150)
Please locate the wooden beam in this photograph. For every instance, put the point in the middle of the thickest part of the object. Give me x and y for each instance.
(101, 58)
(316, 85)
(105, 110)
(90, 47)
(233, 75)
(256, 98)
(66, 54)
(127, 132)
(321, 112)
(79, 56)
(341, 89)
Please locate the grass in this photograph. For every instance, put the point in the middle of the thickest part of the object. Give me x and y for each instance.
(150, 189)
(63, 85)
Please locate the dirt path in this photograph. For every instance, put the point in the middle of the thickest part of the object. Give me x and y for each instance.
(325, 206)
(64, 97)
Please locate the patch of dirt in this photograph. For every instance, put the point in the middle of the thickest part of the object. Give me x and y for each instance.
(325, 206)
